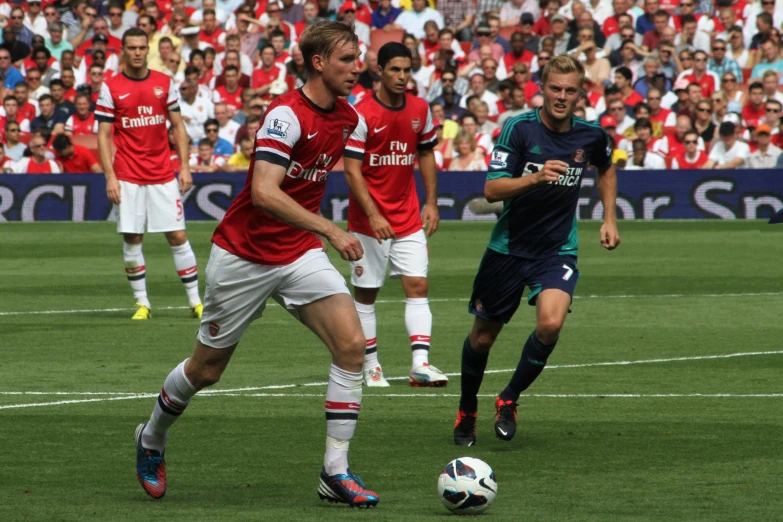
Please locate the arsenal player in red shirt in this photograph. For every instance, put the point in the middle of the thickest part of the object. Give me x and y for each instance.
(268, 246)
(133, 110)
(394, 129)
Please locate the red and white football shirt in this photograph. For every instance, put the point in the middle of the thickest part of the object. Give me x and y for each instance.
(681, 161)
(386, 140)
(263, 76)
(233, 100)
(29, 111)
(308, 141)
(217, 39)
(82, 160)
(80, 127)
(29, 166)
(139, 110)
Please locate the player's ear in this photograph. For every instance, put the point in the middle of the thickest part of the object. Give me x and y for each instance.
(319, 63)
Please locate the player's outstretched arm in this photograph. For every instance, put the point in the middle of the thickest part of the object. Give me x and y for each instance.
(503, 188)
(429, 175)
(269, 197)
(353, 176)
(181, 136)
(104, 153)
(607, 188)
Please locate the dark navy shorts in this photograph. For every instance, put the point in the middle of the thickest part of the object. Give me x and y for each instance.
(501, 281)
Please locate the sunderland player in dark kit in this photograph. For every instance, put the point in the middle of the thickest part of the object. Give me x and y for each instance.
(268, 245)
(536, 170)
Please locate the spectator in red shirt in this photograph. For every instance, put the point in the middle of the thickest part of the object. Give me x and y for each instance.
(707, 80)
(232, 58)
(653, 36)
(69, 82)
(754, 110)
(73, 158)
(543, 27)
(310, 12)
(623, 79)
(691, 157)
(231, 92)
(612, 25)
(82, 123)
(518, 52)
(268, 72)
(27, 111)
(277, 39)
(38, 163)
(11, 107)
(210, 32)
(95, 81)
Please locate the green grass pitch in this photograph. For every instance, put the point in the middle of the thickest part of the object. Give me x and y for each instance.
(681, 434)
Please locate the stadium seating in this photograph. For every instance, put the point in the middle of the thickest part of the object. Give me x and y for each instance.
(379, 37)
(506, 32)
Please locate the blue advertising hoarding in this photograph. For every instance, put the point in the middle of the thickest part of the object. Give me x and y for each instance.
(642, 195)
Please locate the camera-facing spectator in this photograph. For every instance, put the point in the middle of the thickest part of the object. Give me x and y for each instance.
(205, 159)
(82, 122)
(728, 152)
(37, 163)
(766, 156)
(467, 155)
(691, 157)
(240, 161)
(220, 146)
(642, 159)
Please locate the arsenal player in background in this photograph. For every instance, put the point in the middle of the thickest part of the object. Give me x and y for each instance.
(136, 105)
(383, 212)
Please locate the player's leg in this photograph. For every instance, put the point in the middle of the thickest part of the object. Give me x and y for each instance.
(166, 214)
(409, 260)
(554, 283)
(187, 269)
(332, 319)
(131, 223)
(235, 296)
(367, 276)
(497, 291)
(317, 292)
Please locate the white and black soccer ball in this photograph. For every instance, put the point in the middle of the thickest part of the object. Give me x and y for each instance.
(467, 486)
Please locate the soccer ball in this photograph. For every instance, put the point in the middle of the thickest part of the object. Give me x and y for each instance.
(467, 486)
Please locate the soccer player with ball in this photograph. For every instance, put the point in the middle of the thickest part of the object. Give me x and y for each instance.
(535, 169)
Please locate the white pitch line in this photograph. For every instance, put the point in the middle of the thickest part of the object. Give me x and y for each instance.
(534, 395)
(64, 393)
(236, 391)
(398, 301)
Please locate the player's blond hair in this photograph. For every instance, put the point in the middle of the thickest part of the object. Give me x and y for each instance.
(322, 38)
(563, 64)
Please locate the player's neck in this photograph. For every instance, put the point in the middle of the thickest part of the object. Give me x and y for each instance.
(317, 93)
(553, 124)
(137, 74)
(390, 99)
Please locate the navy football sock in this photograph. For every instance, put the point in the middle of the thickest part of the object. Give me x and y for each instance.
(531, 364)
(473, 365)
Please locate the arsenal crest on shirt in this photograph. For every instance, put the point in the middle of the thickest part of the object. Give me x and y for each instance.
(416, 124)
(346, 133)
(158, 91)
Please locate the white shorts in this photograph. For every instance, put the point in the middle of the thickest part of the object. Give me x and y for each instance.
(407, 255)
(156, 208)
(237, 290)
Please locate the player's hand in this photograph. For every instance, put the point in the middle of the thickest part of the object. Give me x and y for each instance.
(610, 238)
(381, 228)
(552, 171)
(185, 179)
(348, 245)
(431, 217)
(113, 190)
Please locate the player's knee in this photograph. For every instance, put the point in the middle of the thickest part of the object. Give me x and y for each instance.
(548, 329)
(176, 238)
(417, 287)
(205, 376)
(483, 340)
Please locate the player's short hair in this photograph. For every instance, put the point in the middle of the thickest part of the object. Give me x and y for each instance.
(769, 73)
(231, 68)
(132, 33)
(61, 142)
(191, 69)
(57, 82)
(245, 140)
(665, 14)
(265, 47)
(685, 19)
(765, 17)
(772, 100)
(322, 38)
(209, 50)
(83, 95)
(209, 122)
(208, 12)
(563, 64)
(467, 115)
(625, 72)
(390, 51)
(253, 118)
(638, 142)
(234, 38)
(21, 84)
(445, 30)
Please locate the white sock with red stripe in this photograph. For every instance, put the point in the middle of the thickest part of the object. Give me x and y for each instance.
(367, 318)
(172, 401)
(136, 271)
(343, 401)
(187, 270)
(418, 322)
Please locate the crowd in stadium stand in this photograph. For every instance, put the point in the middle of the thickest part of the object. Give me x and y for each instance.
(680, 84)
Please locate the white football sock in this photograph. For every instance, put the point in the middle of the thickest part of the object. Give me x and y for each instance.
(172, 401)
(418, 322)
(136, 271)
(187, 270)
(343, 401)
(367, 318)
